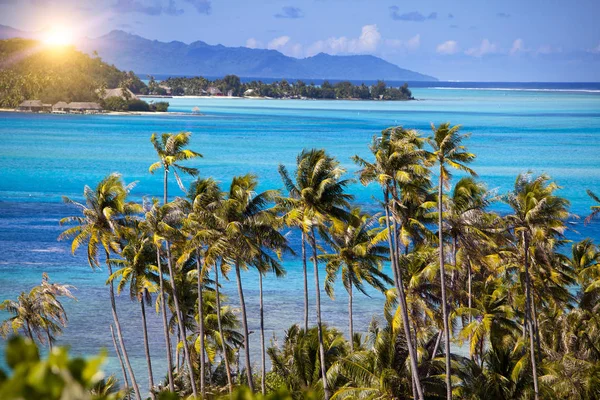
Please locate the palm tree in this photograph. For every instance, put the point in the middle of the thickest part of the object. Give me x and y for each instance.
(105, 208)
(136, 269)
(200, 228)
(38, 312)
(595, 209)
(537, 213)
(358, 256)
(171, 151)
(447, 151)
(319, 198)
(398, 158)
(250, 229)
(153, 225)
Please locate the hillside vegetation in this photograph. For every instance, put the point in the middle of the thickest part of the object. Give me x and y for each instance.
(30, 70)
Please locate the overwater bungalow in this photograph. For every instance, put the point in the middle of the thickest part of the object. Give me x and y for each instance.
(34, 106)
(61, 107)
(84, 107)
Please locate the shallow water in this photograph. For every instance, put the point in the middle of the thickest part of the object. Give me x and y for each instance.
(47, 156)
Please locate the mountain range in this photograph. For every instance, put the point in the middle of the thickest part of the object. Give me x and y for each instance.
(144, 56)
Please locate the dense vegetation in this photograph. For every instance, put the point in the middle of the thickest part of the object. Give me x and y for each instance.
(520, 297)
(281, 89)
(30, 70)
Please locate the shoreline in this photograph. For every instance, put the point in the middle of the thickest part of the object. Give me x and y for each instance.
(108, 113)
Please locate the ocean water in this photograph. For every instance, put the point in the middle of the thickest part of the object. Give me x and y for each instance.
(44, 157)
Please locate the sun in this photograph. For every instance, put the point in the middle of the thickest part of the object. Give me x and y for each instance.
(58, 36)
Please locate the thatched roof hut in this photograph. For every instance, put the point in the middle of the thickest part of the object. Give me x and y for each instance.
(84, 107)
(31, 105)
(61, 106)
(118, 92)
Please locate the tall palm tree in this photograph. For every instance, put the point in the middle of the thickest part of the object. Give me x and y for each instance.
(359, 257)
(137, 269)
(536, 213)
(201, 230)
(105, 209)
(250, 229)
(319, 198)
(155, 219)
(171, 151)
(398, 158)
(448, 150)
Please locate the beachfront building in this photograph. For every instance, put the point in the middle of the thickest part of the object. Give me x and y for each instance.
(213, 91)
(34, 106)
(84, 107)
(61, 107)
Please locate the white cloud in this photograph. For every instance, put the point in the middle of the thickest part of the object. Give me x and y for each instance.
(411, 44)
(367, 42)
(278, 43)
(486, 47)
(595, 49)
(253, 43)
(547, 49)
(518, 46)
(448, 47)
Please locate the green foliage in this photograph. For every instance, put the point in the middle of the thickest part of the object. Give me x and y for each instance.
(159, 106)
(138, 105)
(283, 89)
(29, 71)
(58, 377)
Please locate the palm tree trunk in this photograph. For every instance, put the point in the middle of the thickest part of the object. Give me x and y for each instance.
(113, 307)
(201, 327)
(165, 321)
(146, 347)
(29, 333)
(443, 287)
(263, 383)
(437, 345)
(245, 327)
(49, 339)
(166, 186)
(126, 382)
(319, 324)
(186, 350)
(402, 299)
(350, 324)
(220, 326)
(470, 290)
(304, 271)
(529, 317)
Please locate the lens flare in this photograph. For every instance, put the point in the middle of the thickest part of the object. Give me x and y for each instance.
(58, 36)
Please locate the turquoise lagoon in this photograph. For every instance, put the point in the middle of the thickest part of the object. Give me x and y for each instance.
(44, 157)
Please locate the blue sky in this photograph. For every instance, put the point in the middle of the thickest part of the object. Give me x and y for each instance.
(477, 40)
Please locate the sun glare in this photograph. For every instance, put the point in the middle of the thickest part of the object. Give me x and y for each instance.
(59, 36)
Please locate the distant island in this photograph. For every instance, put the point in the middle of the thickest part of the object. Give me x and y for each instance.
(232, 86)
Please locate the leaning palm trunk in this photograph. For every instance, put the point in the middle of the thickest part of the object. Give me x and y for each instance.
(125, 381)
(146, 347)
(165, 322)
(263, 376)
(528, 317)
(113, 307)
(350, 322)
(443, 287)
(186, 350)
(245, 327)
(304, 271)
(319, 324)
(220, 326)
(403, 306)
(201, 328)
